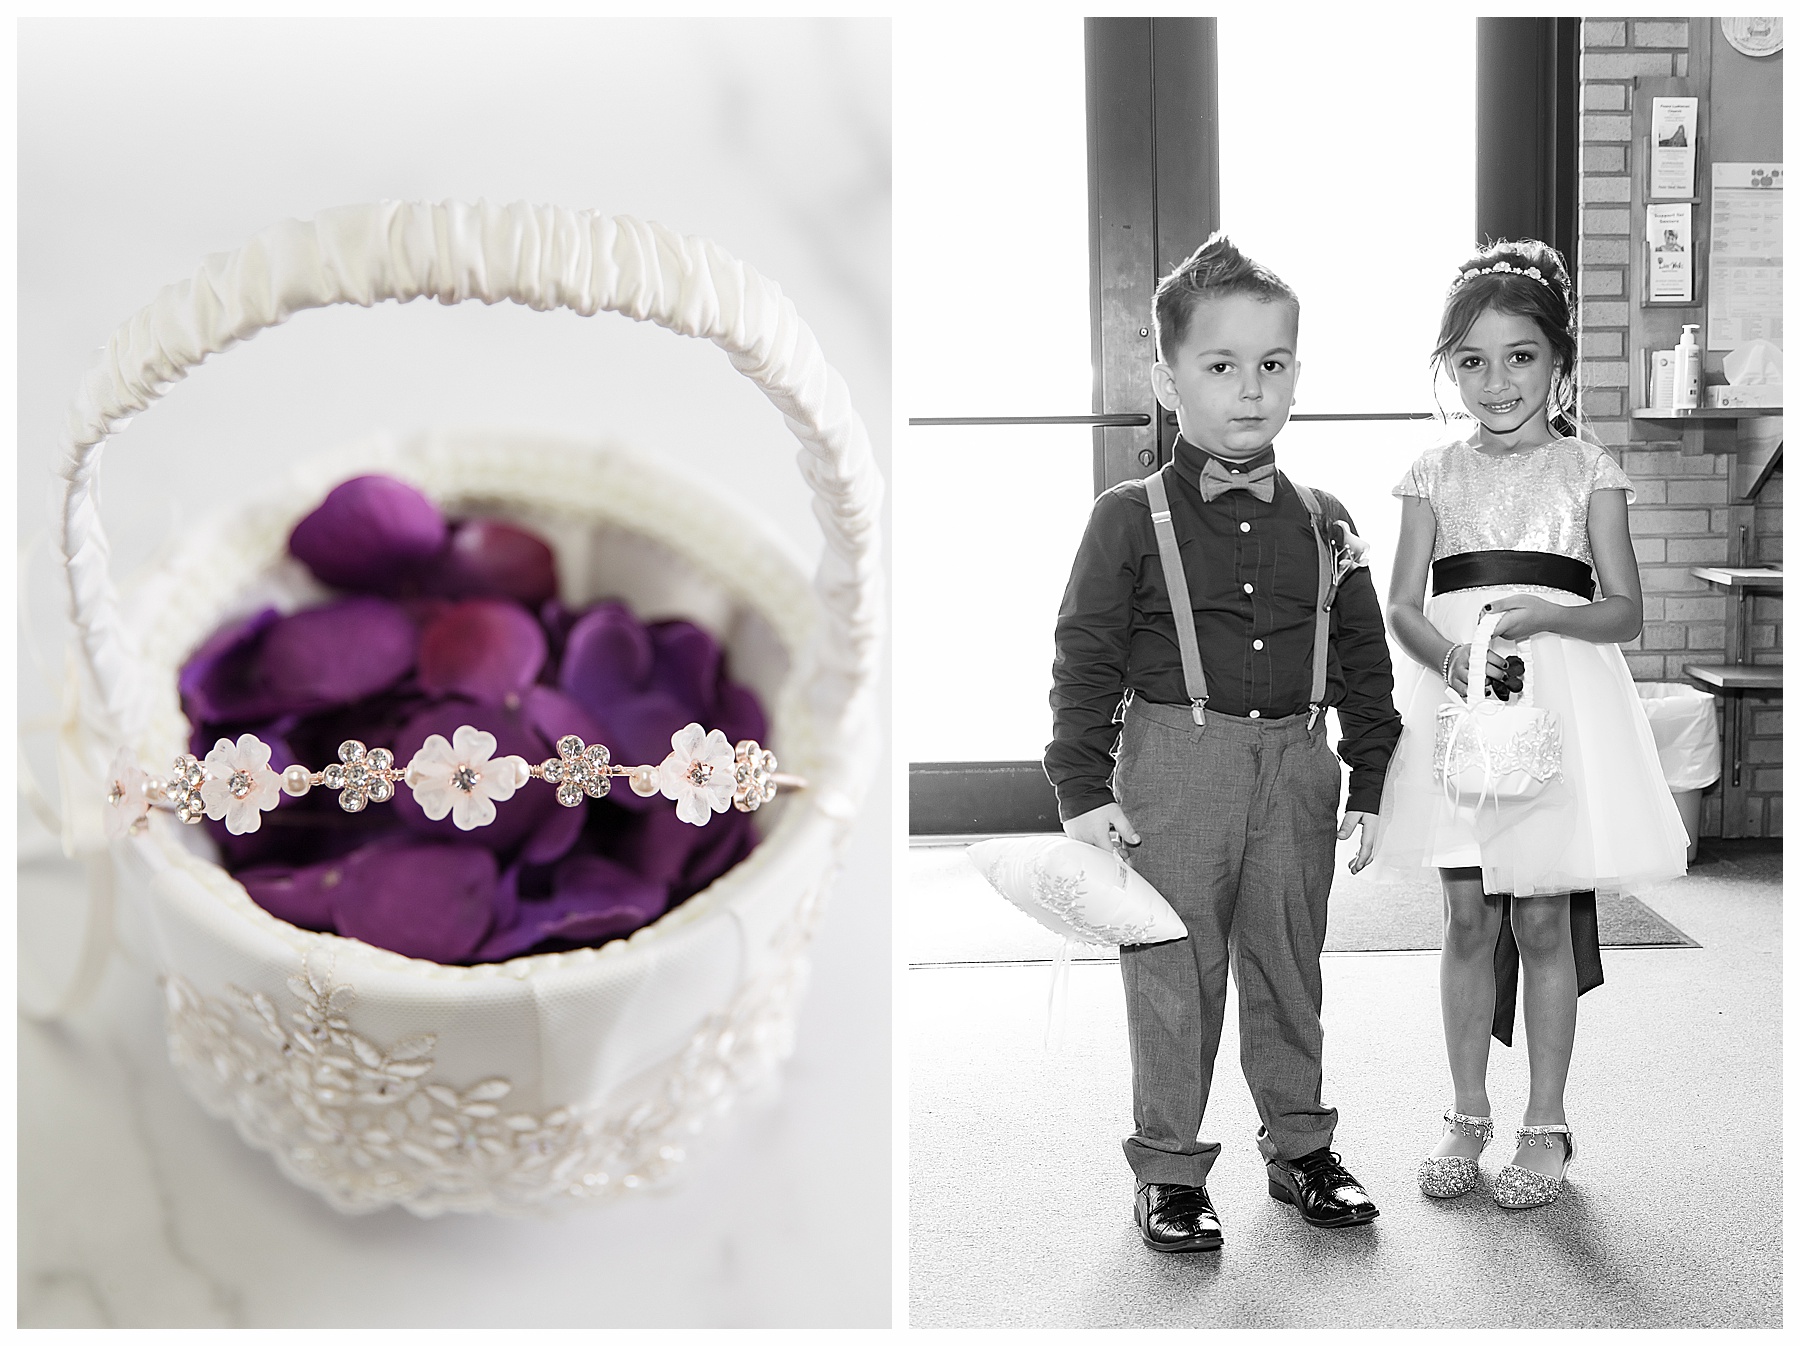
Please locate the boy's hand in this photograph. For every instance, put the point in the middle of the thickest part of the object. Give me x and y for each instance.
(1365, 849)
(1096, 827)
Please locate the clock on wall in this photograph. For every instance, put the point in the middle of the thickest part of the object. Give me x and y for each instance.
(1753, 37)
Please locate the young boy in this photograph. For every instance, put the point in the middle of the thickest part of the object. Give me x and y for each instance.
(1223, 783)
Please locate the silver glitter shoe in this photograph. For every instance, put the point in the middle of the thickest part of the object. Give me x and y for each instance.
(1446, 1175)
(1520, 1188)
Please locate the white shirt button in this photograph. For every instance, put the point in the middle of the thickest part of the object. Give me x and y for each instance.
(1243, 528)
(1256, 715)
(1256, 644)
(1249, 588)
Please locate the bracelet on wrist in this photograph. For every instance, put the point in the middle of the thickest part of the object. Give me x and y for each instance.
(1449, 658)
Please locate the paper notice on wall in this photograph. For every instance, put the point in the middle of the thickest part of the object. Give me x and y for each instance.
(1743, 300)
(1670, 232)
(1674, 122)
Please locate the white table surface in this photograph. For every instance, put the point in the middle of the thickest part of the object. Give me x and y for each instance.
(146, 145)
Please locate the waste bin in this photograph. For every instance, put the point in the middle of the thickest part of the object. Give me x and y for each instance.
(1686, 728)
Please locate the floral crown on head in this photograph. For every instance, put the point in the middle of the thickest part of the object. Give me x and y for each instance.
(704, 774)
(1530, 272)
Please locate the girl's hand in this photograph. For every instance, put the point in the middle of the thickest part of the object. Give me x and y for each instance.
(1522, 615)
(1459, 668)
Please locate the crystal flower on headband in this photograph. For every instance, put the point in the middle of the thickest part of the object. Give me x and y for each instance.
(464, 777)
(239, 786)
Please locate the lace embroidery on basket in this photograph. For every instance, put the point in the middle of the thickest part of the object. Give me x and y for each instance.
(367, 1126)
(1535, 749)
(1063, 895)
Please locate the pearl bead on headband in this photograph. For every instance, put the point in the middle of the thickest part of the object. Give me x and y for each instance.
(704, 774)
(1502, 266)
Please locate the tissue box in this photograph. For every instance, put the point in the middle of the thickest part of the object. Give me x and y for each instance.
(1726, 395)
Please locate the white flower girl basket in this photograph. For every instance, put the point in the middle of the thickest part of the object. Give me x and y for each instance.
(545, 1081)
(1494, 750)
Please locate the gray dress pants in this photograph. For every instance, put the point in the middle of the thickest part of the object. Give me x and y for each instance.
(1238, 822)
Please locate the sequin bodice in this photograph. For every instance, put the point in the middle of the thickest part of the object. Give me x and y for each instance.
(1536, 500)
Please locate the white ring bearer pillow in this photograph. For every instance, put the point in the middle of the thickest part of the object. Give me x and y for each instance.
(1078, 891)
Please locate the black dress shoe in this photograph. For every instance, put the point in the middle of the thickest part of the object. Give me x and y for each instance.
(1177, 1219)
(1322, 1189)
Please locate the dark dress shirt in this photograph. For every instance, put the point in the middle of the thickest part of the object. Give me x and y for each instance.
(1253, 577)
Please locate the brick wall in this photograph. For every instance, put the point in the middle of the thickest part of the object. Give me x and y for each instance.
(1680, 518)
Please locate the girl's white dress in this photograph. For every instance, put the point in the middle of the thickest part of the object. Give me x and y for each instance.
(1609, 823)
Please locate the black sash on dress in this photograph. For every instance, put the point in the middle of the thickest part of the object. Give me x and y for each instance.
(1479, 569)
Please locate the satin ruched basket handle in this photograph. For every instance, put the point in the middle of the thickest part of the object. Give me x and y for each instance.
(1478, 652)
(545, 258)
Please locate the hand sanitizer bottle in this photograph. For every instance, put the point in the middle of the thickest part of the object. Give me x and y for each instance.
(1687, 368)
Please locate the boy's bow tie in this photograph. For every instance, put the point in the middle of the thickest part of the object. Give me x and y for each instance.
(1216, 479)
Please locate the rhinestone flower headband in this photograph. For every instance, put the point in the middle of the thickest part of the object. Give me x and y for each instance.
(1507, 267)
(461, 779)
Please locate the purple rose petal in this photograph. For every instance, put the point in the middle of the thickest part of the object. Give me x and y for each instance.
(506, 901)
(739, 714)
(424, 901)
(727, 839)
(518, 817)
(656, 844)
(486, 649)
(343, 651)
(300, 895)
(488, 558)
(369, 534)
(642, 726)
(593, 900)
(557, 618)
(686, 665)
(552, 714)
(606, 658)
(222, 680)
(555, 836)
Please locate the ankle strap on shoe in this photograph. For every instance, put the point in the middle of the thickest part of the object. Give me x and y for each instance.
(1540, 1135)
(1482, 1127)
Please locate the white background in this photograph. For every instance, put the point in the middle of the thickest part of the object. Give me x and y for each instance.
(145, 146)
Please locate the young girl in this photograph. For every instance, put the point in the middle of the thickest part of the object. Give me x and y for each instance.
(1506, 524)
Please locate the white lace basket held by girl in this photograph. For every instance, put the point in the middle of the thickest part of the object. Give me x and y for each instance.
(558, 1078)
(1579, 802)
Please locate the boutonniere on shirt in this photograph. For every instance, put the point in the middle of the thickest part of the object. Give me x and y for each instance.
(1348, 552)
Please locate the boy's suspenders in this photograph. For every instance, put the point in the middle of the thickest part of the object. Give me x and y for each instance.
(1175, 577)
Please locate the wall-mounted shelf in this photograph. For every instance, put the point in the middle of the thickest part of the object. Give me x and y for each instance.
(1736, 678)
(1683, 415)
(1733, 678)
(1716, 429)
(1740, 577)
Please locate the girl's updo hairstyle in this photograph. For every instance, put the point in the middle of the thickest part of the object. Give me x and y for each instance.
(1484, 282)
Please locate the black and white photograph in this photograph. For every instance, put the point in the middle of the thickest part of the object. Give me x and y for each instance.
(1342, 711)
(455, 839)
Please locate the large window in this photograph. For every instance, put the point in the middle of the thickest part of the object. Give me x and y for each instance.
(1360, 193)
(992, 320)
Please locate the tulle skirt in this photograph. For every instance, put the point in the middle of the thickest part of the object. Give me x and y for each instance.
(1609, 823)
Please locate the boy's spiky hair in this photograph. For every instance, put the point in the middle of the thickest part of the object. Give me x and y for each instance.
(1215, 270)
